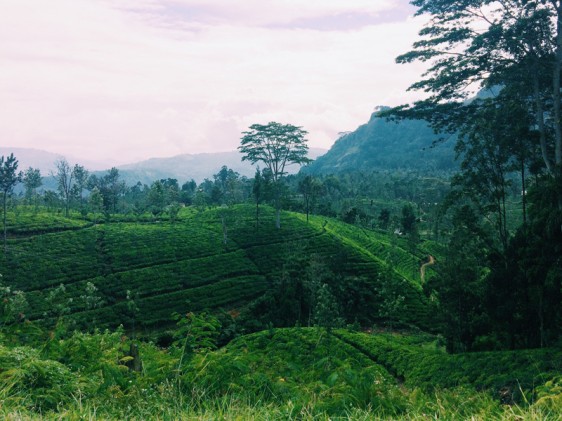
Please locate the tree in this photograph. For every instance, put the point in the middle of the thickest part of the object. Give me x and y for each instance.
(32, 180)
(327, 311)
(408, 220)
(81, 176)
(156, 199)
(384, 218)
(309, 188)
(257, 191)
(486, 145)
(65, 181)
(276, 145)
(515, 45)
(96, 202)
(8, 179)
(461, 284)
(110, 187)
(187, 192)
(261, 189)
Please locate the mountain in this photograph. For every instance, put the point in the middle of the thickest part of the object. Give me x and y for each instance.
(45, 161)
(181, 167)
(193, 166)
(386, 145)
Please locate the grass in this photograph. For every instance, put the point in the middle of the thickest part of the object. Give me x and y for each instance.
(275, 374)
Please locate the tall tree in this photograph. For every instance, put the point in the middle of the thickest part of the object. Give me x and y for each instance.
(65, 180)
(276, 145)
(32, 180)
(257, 191)
(309, 188)
(491, 43)
(81, 176)
(9, 177)
(460, 286)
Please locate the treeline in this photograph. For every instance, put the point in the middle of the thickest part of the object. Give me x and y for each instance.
(374, 200)
(499, 287)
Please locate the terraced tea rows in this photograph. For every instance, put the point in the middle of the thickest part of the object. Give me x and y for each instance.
(421, 364)
(212, 259)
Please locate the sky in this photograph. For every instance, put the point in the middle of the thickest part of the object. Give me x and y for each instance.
(126, 80)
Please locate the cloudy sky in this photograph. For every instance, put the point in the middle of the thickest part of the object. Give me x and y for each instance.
(124, 80)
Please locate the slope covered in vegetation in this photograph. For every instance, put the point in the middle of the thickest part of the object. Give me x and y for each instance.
(295, 373)
(138, 273)
(386, 145)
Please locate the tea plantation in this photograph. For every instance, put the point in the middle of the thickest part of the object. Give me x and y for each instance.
(100, 296)
(216, 259)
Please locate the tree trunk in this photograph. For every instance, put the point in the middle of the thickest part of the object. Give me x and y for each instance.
(5, 229)
(277, 205)
(556, 88)
(523, 193)
(257, 215)
(539, 111)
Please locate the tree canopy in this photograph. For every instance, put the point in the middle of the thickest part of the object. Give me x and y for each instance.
(513, 45)
(276, 145)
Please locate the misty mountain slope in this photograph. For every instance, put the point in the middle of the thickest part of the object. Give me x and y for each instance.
(182, 167)
(386, 145)
(193, 166)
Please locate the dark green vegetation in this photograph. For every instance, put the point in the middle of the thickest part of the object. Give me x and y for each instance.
(214, 259)
(232, 277)
(382, 145)
(474, 260)
(301, 373)
(500, 286)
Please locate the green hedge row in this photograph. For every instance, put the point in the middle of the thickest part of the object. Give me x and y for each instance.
(506, 373)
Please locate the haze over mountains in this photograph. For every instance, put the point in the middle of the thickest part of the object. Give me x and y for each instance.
(181, 167)
(382, 145)
(377, 145)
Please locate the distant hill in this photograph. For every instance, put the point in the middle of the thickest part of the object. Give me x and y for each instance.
(181, 167)
(193, 166)
(386, 145)
(45, 161)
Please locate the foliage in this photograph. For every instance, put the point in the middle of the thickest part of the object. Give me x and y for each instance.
(276, 145)
(385, 146)
(274, 374)
(8, 179)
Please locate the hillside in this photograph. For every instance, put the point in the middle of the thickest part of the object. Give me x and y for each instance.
(277, 374)
(381, 145)
(182, 167)
(193, 166)
(148, 269)
(45, 160)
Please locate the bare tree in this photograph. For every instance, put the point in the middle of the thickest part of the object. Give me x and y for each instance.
(8, 179)
(65, 180)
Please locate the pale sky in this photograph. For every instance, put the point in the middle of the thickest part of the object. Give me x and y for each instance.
(125, 80)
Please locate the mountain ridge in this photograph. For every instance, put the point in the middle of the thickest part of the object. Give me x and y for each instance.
(380, 144)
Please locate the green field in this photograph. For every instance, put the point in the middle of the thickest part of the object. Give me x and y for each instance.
(192, 265)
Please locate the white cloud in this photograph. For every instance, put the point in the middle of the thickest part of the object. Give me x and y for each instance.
(260, 12)
(87, 78)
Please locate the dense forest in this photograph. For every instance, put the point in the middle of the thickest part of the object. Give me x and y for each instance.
(369, 285)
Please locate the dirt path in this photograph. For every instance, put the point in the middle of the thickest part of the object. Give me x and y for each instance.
(422, 269)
